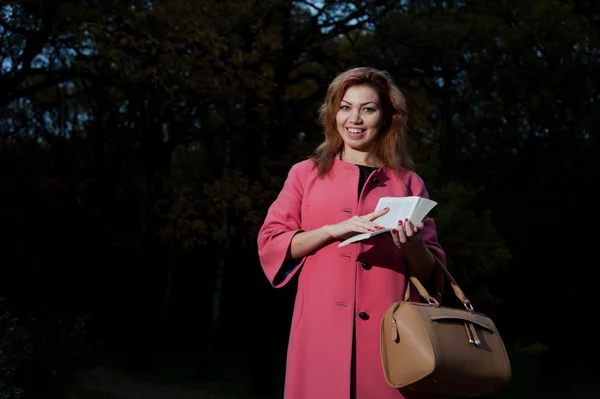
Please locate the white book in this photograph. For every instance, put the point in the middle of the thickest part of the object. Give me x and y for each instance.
(414, 208)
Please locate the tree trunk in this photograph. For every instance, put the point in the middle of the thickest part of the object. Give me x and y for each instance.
(223, 245)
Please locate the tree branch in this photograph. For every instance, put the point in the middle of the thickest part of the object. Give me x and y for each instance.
(33, 47)
(306, 75)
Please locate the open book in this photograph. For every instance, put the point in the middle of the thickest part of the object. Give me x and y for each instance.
(414, 208)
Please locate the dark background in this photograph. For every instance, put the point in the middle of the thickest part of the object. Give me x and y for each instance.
(141, 143)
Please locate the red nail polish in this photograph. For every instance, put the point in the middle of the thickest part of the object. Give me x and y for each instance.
(394, 231)
(386, 208)
(370, 229)
(399, 222)
(406, 220)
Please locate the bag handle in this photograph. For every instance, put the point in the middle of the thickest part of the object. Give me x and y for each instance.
(425, 294)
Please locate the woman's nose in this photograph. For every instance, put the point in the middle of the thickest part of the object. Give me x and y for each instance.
(355, 117)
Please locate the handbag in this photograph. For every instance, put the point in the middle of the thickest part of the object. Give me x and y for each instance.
(431, 349)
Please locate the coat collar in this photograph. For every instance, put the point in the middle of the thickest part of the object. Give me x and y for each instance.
(381, 172)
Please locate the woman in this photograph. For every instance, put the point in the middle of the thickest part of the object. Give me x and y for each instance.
(343, 292)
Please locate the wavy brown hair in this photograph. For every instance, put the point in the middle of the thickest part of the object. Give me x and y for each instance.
(390, 147)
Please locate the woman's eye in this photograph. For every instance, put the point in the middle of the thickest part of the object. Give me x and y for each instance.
(369, 109)
(344, 107)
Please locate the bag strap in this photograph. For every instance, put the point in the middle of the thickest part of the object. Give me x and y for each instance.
(425, 294)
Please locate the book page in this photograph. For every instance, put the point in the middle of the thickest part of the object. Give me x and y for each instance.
(414, 208)
(421, 210)
(400, 209)
(363, 236)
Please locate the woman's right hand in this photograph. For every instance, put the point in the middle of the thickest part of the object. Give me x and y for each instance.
(356, 225)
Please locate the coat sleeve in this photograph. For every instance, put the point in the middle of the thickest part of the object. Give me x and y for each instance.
(282, 223)
(430, 237)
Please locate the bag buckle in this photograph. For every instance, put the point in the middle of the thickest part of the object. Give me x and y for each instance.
(432, 301)
(468, 306)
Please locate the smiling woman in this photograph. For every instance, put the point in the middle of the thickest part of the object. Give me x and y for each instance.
(343, 292)
(367, 99)
(358, 122)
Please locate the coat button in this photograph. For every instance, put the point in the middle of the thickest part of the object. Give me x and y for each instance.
(363, 315)
(375, 180)
(366, 266)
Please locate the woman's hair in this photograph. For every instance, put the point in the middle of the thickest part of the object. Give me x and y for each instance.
(390, 146)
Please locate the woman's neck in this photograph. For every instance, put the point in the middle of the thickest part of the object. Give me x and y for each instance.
(359, 158)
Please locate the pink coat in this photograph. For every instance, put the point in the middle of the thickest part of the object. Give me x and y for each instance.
(341, 291)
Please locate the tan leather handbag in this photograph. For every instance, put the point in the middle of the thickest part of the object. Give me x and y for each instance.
(431, 349)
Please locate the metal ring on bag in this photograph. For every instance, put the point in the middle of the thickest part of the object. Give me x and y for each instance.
(468, 306)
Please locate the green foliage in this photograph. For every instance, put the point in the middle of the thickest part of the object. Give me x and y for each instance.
(8, 356)
(194, 211)
(528, 381)
(38, 354)
(91, 394)
(476, 250)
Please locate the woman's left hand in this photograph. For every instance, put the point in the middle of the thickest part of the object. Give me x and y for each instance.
(407, 234)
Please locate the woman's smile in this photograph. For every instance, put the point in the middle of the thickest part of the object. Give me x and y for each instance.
(355, 132)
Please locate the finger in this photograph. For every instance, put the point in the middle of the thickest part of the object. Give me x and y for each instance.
(415, 230)
(363, 221)
(376, 214)
(409, 228)
(419, 228)
(402, 233)
(362, 229)
(395, 237)
(358, 221)
(364, 226)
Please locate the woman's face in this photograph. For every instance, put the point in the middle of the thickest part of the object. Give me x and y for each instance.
(359, 118)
